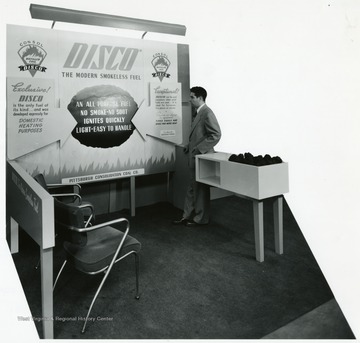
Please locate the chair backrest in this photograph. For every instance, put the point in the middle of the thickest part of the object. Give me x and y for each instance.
(40, 179)
(66, 217)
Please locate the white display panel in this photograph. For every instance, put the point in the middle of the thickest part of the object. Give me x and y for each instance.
(87, 107)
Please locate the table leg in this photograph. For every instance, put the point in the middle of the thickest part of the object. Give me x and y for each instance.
(168, 191)
(46, 256)
(258, 208)
(112, 197)
(132, 195)
(14, 236)
(278, 225)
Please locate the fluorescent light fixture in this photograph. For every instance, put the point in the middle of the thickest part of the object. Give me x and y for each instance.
(90, 18)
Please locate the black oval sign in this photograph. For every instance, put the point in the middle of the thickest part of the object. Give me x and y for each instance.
(103, 114)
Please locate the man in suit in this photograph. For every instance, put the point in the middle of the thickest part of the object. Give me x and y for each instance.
(205, 133)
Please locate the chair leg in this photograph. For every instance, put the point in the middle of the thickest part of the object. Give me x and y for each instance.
(60, 271)
(95, 297)
(137, 264)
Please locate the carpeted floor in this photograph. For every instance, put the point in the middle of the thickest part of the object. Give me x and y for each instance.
(195, 283)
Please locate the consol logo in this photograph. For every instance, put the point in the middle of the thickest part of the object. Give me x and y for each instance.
(94, 56)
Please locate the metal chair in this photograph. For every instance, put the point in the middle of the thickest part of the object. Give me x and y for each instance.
(60, 190)
(93, 249)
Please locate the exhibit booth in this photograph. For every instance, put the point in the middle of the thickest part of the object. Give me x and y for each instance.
(104, 118)
(110, 116)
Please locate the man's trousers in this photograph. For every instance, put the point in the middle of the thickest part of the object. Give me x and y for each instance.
(197, 201)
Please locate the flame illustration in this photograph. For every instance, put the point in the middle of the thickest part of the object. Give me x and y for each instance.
(33, 51)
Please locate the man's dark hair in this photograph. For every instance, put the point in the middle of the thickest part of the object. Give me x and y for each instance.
(199, 91)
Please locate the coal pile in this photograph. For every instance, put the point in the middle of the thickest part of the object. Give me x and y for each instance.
(258, 161)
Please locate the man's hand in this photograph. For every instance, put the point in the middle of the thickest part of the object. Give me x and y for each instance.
(195, 151)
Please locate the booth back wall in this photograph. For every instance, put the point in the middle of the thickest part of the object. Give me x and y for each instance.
(83, 108)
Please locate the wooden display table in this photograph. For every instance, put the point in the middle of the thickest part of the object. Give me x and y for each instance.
(256, 183)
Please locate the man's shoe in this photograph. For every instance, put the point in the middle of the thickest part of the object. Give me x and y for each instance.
(191, 223)
(181, 221)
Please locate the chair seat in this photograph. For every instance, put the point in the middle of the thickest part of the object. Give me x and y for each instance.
(99, 250)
